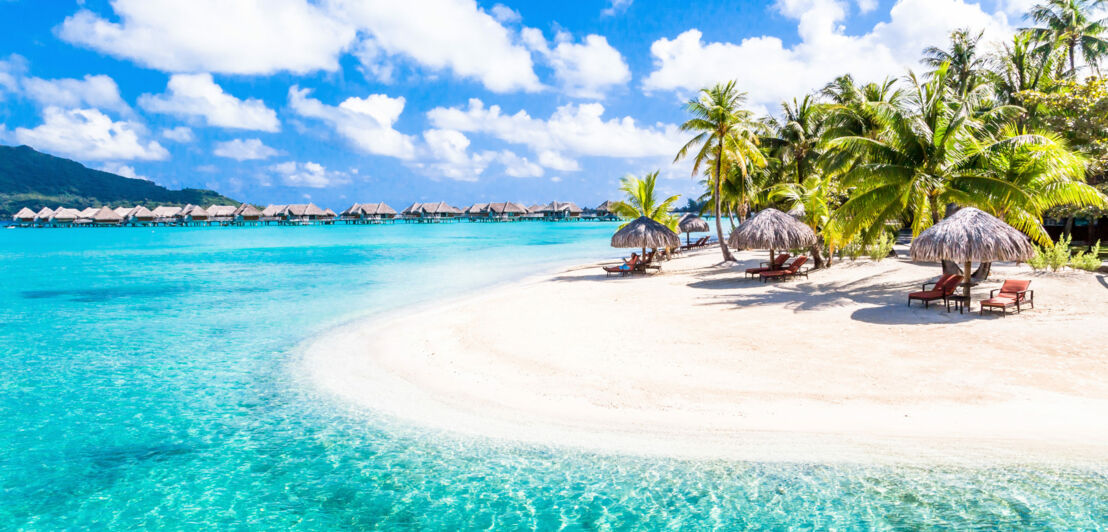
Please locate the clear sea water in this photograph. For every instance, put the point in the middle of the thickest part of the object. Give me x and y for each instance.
(146, 380)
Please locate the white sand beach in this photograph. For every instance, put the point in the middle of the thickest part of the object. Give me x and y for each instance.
(695, 361)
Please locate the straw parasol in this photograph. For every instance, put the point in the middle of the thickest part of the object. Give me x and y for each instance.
(971, 235)
(773, 230)
(645, 233)
(691, 223)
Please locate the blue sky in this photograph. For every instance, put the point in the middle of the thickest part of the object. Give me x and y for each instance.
(336, 101)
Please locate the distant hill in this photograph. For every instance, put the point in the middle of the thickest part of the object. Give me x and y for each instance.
(32, 179)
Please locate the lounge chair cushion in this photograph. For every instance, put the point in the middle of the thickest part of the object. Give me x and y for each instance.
(999, 302)
(927, 294)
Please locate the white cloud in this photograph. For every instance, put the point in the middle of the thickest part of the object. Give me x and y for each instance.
(585, 70)
(244, 150)
(616, 6)
(309, 174)
(198, 96)
(504, 14)
(90, 134)
(571, 130)
(123, 170)
(454, 35)
(98, 91)
(250, 37)
(448, 153)
(686, 63)
(865, 6)
(11, 69)
(365, 122)
(178, 134)
(517, 166)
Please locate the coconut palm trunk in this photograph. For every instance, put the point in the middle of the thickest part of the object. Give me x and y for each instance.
(719, 208)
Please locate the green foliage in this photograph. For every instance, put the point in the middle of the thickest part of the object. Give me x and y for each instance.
(882, 246)
(641, 200)
(1089, 261)
(36, 180)
(1053, 256)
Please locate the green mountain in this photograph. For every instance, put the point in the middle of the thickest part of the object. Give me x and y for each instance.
(35, 180)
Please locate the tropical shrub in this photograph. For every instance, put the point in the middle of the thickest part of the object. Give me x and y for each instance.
(1089, 262)
(882, 246)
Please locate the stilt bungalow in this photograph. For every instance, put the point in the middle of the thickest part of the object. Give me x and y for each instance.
(85, 216)
(166, 215)
(431, 212)
(221, 213)
(300, 213)
(273, 213)
(558, 211)
(604, 212)
(65, 217)
(25, 216)
(496, 212)
(369, 213)
(43, 216)
(139, 216)
(105, 216)
(194, 215)
(123, 211)
(246, 213)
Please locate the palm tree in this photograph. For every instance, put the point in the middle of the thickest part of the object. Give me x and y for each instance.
(1069, 24)
(965, 64)
(1020, 67)
(813, 202)
(797, 142)
(725, 135)
(642, 200)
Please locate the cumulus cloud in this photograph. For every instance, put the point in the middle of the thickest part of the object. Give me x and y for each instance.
(123, 170)
(505, 14)
(309, 174)
(89, 134)
(687, 63)
(446, 154)
(584, 70)
(244, 150)
(198, 96)
(215, 35)
(98, 91)
(178, 134)
(453, 35)
(365, 122)
(572, 130)
(11, 69)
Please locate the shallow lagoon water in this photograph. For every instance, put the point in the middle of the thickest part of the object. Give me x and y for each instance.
(147, 378)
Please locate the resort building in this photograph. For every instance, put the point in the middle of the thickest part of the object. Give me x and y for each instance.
(368, 213)
(25, 216)
(106, 216)
(221, 213)
(431, 212)
(43, 216)
(557, 210)
(246, 213)
(63, 216)
(139, 216)
(193, 214)
(496, 212)
(604, 211)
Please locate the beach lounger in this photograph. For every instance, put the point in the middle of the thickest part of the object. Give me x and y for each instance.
(792, 270)
(626, 268)
(699, 243)
(647, 262)
(942, 289)
(778, 264)
(1011, 294)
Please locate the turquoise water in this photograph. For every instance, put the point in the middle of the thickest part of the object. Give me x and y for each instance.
(146, 381)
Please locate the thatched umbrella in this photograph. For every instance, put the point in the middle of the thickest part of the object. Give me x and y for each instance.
(773, 230)
(645, 233)
(691, 223)
(971, 235)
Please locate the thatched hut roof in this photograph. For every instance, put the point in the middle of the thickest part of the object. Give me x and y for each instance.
(507, 207)
(122, 211)
(274, 210)
(196, 212)
(604, 207)
(106, 216)
(221, 210)
(140, 213)
(24, 215)
(560, 206)
(247, 210)
(645, 233)
(329, 213)
(536, 208)
(45, 214)
(772, 229)
(476, 208)
(691, 223)
(88, 213)
(65, 215)
(971, 235)
(163, 211)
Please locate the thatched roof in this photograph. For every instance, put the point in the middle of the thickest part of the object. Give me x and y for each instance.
(604, 207)
(645, 233)
(65, 215)
(536, 208)
(45, 214)
(329, 213)
(24, 214)
(221, 210)
(971, 235)
(560, 206)
(247, 210)
(274, 210)
(477, 208)
(772, 229)
(88, 213)
(163, 211)
(122, 211)
(432, 208)
(507, 207)
(140, 213)
(195, 211)
(691, 223)
(106, 215)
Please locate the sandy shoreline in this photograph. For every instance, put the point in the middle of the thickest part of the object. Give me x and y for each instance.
(696, 362)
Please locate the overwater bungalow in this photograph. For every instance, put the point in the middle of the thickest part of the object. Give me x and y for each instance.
(497, 212)
(25, 216)
(194, 214)
(328, 216)
(44, 215)
(123, 211)
(85, 216)
(558, 210)
(221, 213)
(105, 216)
(273, 213)
(166, 215)
(246, 213)
(64, 216)
(431, 212)
(604, 211)
(139, 216)
(368, 213)
(302, 213)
